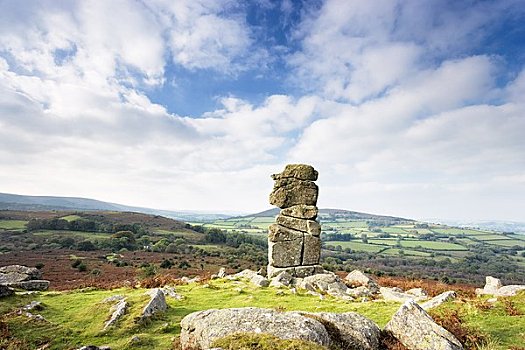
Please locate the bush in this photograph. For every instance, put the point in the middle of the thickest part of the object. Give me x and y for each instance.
(76, 263)
(166, 264)
(82, 267)
(39, 265)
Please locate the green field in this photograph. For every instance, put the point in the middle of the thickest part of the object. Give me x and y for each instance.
(358, 246)
(12, 224)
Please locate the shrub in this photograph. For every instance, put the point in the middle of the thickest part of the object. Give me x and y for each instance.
(76, 263)
(166, 264)
(82, 267)
(39, 265)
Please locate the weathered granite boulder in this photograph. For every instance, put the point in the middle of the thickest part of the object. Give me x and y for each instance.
(31, 285)
(221, 273)
(391, 294)
(329, 283)
(259, 281)
(5, 291)
(171, 292)
(288, 192)
(416, 330)
(493, 286)
(344, 331)
(297, 171)
(94, 347)
(349, 330)
(22, 277)
(359, 292)
(246, 273)
(510, 290)
(301, 211)
(200, 329)
(418, 292)
(32, 273)
(357, 278)
(279, 233)
(117, 311)
(438, 300)
(156, 304)
(284, 279)
(309, 226)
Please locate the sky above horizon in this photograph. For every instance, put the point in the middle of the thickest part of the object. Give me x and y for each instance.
(409, 108)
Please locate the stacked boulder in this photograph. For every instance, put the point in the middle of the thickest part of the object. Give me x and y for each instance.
(22, 277)
(294, 243)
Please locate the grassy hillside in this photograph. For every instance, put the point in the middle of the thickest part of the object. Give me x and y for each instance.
(77, 317)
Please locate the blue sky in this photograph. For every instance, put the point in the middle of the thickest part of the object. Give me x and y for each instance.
(411, 108)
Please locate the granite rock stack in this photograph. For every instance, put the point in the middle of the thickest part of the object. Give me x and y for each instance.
(294, 243)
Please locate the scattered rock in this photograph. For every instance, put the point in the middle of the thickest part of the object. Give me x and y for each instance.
(22, 277)
(359, 292)
(32, 273)
(185, 279)
(357, 278)
(416, 330)
(171, 292)
(5, 291)
(34, 305)
(94, 347)
(418, 292)
(493, 286)
(392, 294)
(156, 304)
(247, 273)
(510, 290)
(328, 283)
(438, 300)
(284, 279)
(259, 281)
(222, 273)
(31, 285)
(113, 298)
(119, 310)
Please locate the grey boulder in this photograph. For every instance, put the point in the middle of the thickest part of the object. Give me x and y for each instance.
(416, 330)
(200, 329)
(438, 300)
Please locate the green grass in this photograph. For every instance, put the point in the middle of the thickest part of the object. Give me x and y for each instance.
(434, 245)
(12, 224)
(505, 330)
(396, 251)
(358, 246)
(507, 243)
(71, 218)
(81, 315)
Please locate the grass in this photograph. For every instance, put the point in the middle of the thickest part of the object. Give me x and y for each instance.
(80, 315)
(77, 317)
(435, 245)
(358, 246)
(12, 224)
(504, 329)
(507, 243)
(71, 217)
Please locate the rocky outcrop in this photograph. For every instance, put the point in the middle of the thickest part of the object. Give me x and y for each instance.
(259, 281)
(394, 294)
(156, 304)
(294, 243)
(357, 278)
(328, 283)
(416, 330)
(94, 347)
(493, 286)
(22, 277)
(438, 300)
(118, 310)
(346, 331)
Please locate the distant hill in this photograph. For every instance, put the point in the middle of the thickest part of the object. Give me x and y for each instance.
(339, 213)
(45, 203)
